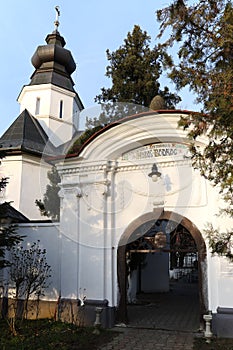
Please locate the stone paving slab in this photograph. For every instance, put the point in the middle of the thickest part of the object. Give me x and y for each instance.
(148, 339)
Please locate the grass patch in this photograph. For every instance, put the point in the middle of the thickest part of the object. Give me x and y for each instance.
(47, 334)
(216, 344)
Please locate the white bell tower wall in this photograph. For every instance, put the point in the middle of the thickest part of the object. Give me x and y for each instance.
(55, 108)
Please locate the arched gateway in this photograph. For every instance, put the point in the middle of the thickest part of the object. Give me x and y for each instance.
(127, 177)
(129, 236)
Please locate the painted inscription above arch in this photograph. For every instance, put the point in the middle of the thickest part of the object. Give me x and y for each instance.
(169, 149)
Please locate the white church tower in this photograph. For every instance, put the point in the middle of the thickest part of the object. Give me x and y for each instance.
(50, 96)
(48, 120)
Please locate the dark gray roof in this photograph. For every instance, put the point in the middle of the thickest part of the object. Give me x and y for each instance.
(53, 63)
(26, 134)
(8, 212)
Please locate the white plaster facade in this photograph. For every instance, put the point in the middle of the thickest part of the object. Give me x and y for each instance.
(102, 193)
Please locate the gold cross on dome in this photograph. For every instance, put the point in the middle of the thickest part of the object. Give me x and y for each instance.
(58, 13)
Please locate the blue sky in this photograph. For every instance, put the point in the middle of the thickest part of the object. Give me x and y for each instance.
(89, 28)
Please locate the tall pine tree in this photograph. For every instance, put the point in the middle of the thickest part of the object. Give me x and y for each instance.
(135, 69)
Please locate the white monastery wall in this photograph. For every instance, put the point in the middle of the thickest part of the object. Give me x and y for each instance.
(12, 168)
(27, 182)
(48, 235)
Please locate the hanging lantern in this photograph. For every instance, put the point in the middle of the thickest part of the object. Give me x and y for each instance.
(155, 174)
(160, 240)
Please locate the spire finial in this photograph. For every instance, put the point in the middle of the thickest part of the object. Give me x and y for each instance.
(58, 13)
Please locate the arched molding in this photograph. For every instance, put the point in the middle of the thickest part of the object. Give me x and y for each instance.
(145, 218)
(111, 142)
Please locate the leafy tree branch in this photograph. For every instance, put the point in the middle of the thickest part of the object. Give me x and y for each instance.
(203, 31)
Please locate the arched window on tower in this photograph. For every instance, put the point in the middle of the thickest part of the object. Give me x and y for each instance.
(61, 109)
(37, 110)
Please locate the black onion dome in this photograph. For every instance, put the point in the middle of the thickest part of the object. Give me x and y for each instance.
(53, 63)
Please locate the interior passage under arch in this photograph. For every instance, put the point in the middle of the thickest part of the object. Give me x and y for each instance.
(161, 264)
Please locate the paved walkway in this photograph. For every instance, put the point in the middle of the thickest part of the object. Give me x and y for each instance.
(176, 310)
(148, 339)
(161, 321)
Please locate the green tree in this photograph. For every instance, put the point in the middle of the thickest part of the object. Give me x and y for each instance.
(50, 206)
(203, 31)
(135, 69)
(8, 234)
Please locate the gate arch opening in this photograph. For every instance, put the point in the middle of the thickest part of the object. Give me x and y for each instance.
(139, 228)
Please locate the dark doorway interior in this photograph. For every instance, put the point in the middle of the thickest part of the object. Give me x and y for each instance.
(163, 287)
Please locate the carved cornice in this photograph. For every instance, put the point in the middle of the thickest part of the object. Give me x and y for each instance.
(83, 169)
(122, 167)
(165, 164)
